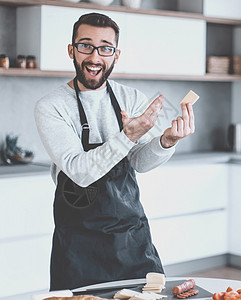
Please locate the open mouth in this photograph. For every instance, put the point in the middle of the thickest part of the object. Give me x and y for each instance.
(93, 70)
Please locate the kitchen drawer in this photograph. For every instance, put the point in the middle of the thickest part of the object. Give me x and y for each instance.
(24, 265)
(181, 189)
(190, 237)
(26, 206)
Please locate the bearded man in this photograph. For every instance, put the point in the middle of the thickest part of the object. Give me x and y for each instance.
(94, 131)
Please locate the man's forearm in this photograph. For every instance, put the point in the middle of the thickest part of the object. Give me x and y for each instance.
(145, 157)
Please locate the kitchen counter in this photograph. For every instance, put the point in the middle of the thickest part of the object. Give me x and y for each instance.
(177, 159)
(20, 170)
(210, 284)
(205, 157)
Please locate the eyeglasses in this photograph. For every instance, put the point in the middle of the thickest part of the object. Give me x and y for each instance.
(89, 49)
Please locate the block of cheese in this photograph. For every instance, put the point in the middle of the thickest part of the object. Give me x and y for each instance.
(157, 296)
(143, 296)
(155, 290)
(154, 285)
(155, 278)
(126, 294)
(155, 282)
(191, 97)
(148, 296)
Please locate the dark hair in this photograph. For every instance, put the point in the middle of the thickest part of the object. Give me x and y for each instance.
(98, 20)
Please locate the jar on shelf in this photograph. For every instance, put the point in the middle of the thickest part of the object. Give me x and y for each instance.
(21, 61)
(4, 61)
(31, 62)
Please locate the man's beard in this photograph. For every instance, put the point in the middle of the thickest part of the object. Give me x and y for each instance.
(92, 84)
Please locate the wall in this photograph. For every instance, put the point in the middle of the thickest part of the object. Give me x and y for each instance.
(19, 95)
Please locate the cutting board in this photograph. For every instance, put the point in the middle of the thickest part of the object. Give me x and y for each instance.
(167, 291)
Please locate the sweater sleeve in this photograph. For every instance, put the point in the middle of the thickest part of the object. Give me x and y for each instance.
(65, 149)
(147, 156)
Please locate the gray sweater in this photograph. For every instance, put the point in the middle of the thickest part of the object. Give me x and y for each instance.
(59, 126)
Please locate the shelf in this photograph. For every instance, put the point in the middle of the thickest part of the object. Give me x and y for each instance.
(69, 74)
(34, 73)
(117, 8)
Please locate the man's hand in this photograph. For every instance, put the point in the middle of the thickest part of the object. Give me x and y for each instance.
(181, 127)
(135, 128)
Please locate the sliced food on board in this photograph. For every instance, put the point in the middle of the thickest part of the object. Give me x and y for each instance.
(185, 289)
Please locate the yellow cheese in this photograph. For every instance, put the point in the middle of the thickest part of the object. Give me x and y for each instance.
(191, 97)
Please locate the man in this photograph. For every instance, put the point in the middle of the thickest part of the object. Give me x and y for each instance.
(94, 131)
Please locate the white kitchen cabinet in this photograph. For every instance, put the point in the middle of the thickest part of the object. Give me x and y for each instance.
(166, 45)
(173, 189)
(26, 226)
(234, 212)
(190, 237)
(24, 264)
(50, 33)
(222, 9)
(26, 206)
(155, 45)
(187, 212)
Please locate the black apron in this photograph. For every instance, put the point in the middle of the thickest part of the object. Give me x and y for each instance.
(101, 231)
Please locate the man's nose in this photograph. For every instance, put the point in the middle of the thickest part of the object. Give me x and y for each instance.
(95, 54)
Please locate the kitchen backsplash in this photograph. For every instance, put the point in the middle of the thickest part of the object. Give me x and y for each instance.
(212, 111)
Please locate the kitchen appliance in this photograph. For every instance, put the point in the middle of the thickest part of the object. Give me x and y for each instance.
(234, 137)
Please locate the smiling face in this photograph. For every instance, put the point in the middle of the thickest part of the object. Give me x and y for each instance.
(92, 70)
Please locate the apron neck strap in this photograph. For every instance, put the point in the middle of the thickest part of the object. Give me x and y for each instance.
(83, 118)
(115, 105)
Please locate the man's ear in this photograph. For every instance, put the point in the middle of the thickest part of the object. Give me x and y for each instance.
(71, 51)
(117, 55)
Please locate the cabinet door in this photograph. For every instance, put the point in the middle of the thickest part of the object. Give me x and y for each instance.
(51, 32)
(222, 9)
(26, 206)
(190, 237)
(26, 225)
(172, 190)
(24, 265)
(165, 45)
(234, 241)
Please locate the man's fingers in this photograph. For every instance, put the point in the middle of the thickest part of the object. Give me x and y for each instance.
(125, 117)
(185, 116)
(180, 124)
(155, 106)
(124, 114)
(191, 117)
(188, 118)
(174, 126)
